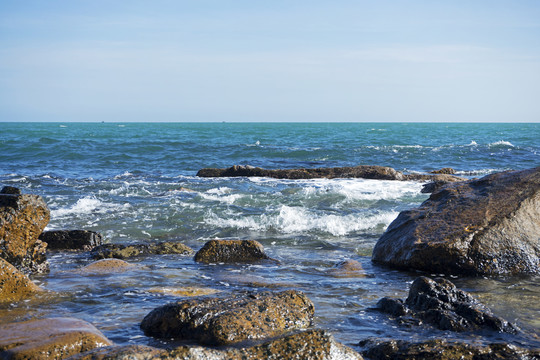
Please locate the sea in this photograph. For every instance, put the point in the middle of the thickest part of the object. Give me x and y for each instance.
(137, 183)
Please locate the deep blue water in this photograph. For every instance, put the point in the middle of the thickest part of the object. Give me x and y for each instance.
(136, 182)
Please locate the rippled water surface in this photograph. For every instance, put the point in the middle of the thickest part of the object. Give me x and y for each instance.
(137, 183)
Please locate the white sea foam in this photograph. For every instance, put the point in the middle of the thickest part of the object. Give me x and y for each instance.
(501, 143)
(86, 205)
(365, 189)
(292, 220)
(221, 194)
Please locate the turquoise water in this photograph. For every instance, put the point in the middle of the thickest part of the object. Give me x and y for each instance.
(136, 183)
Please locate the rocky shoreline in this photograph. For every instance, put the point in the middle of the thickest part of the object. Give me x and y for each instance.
(488, 226)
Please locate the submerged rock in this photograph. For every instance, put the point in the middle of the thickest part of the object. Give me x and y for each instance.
(485, 226)
(307, 345)
(22, 219)
(121, 251)
(222, 321)
(377, 349)
(106, 266)
(439, 303)
(14, 285)
(52, 338)
(231, 251)
(347, 268)
(83, 240)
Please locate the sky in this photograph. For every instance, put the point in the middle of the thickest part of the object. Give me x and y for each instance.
(279, 60)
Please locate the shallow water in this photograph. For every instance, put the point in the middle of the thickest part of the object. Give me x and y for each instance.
(137, 183)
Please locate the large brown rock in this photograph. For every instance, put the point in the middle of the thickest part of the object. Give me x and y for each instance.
(231, 251)
(307, 345)
(22, 219)
(52, 338)
(222, 321)
(14, 285)
(485, 226)
(83, 240)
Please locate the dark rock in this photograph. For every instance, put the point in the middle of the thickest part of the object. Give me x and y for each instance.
(394, 307)
(484, 226)
(14, 285)
(222, 321)
(231, 251)
(121, 251)
(363, 171)
(71, 239)
(445, 170)
(439, 303)
(10, 190)
(377, 349)
(22, 220)
(53, 338)
(307, 345)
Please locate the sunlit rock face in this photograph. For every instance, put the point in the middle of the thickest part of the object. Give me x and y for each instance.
(485, 226)
(22, 220)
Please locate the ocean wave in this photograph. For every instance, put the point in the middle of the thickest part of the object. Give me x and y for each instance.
(363, 189)
(86, 205)
(294, 220)
(501, 143)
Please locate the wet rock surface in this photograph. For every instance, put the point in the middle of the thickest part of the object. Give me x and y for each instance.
(82, 240)
(22, 219)
(122, 251)
(231, 251)
(14, 285)
(485, 226)
(377, 349)
(52, 338)
(222, 321)
(363, 171)
(307, 345)
(438, 302)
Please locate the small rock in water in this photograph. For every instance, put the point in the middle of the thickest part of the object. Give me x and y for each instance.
(222, 321)
(231, 251)
(53, 338)
(347, 268)
(439, 303)
(122, 251)
(83, 240)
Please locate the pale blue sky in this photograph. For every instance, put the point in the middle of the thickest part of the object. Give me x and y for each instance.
(269, 60)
